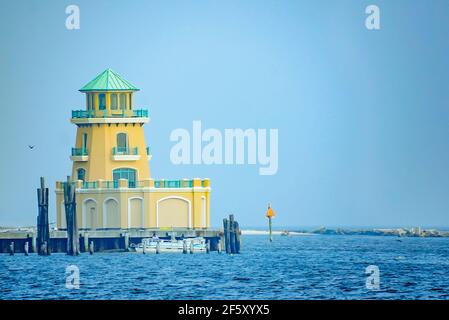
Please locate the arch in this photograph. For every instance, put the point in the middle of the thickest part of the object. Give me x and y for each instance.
(165, 217)
(136, 217)
(125, 173)
(81, 174)
(122, 142)
(111, 213)
(90, 214)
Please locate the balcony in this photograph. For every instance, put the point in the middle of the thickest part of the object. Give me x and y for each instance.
(110, 116)
(79, 154)
(188, 185)
(125, 154)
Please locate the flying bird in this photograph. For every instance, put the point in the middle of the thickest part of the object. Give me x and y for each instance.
(31, 147)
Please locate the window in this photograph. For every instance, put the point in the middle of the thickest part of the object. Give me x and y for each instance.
(122, 101)
(130, 101)
(102, 101)
(92, 101)
(114, 103)
(125, 173)
(122, 143)
(84, 141)
(81, 174)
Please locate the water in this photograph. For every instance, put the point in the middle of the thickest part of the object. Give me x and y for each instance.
(305, 267)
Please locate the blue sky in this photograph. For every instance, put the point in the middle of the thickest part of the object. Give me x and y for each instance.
(362, 115)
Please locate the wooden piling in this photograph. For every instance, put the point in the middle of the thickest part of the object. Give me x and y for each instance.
(11, 249)
(158, 247)
(237, 236)
(73, 247)
(184, 246)
(26, 248)
(43, 229)
(126, 238)
(208, 247)
(191, 247)
(226, 235)
(91, 247)
(231, 233)
(86, 241)
(33, 243)
(219, 246)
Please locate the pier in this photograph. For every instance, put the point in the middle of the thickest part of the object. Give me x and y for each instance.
(103, 240)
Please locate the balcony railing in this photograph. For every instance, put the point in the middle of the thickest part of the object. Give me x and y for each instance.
(118, 151)
(125, 183)
(173, 183)
(138, 113)
(79, 152)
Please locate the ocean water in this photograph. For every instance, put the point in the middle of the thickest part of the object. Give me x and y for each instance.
(300, 267)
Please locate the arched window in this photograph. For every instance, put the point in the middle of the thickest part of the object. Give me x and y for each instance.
(122, 143)
(125, 173)
(114, 104)
(122, 101)
(81, 174)
(102, 101)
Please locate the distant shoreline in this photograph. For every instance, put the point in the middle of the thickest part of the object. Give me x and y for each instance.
(397, 232)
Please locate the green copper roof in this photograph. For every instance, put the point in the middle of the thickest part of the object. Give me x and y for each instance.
(108, 80)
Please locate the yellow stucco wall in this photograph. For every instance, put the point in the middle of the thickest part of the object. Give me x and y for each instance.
(161, 208)
(100, 141)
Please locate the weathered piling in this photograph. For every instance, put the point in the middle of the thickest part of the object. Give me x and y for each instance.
(43, 229)
(226, 235)
(73, 247)
(34, 243)
(158, 247)
(86, 241)
(11, 249)
(26, 248)
(191, 247)
(237, 236)
(126, 241)
(184, 246)
(91, 247)
(231, 231)
(208, 247)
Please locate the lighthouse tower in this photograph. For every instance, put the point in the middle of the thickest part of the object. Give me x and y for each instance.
(111, 168)
(110, 143)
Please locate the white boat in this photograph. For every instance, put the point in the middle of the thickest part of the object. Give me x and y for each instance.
(152, 245)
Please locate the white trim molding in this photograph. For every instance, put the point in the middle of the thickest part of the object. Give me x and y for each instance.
(79, 158)
(110, 120)
(125, 157)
